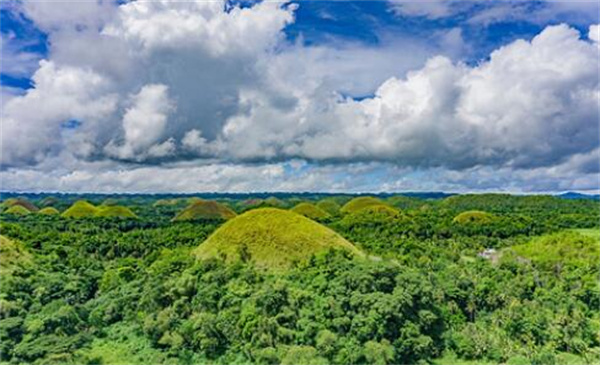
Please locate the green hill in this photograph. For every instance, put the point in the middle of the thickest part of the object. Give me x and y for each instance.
(11, 202)
(205, 209)
(474, 216)
(114, 211)
(49, 201)
(80, 209)
(311, 211)
(330, 206)
(404, 202)
(361, 202)
(49, 211)
(271, 238)
(166, 202)
(110, 202)
(17, 210)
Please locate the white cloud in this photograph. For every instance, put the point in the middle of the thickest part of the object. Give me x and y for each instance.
(144, 124)
(194, 82)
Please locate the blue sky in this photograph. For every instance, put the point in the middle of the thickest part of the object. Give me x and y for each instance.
(288, 97)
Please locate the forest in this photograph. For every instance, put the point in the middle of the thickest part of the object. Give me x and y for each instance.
(307, 279)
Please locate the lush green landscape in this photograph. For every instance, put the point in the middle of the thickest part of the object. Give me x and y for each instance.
(299, 279)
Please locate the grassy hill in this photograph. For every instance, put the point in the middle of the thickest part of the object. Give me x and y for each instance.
(205, 210)
(17, 210)
(49, 211)
(330, 206)
(359, 203)
(474, 216)
(271, 238)
(311, 211)
(80, 209)
(84, 209)
(115, 211)
(11, 202)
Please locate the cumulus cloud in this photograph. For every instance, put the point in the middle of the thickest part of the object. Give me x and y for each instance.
(166, 83)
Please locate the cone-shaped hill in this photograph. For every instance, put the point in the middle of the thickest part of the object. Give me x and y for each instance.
(9, 203)
(80, 209)
(329, 205)
(361, 202)
(17, 210)
(84, 209)
(115, 211)
(49, 211)
(311, 211)
(271, 238)
(205, 210)
(474, 216)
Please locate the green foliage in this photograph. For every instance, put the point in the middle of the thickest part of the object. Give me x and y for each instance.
(311, 211)
(114, 211)
(205, 210)
(131, 291)
(271, 238)
(24, 203)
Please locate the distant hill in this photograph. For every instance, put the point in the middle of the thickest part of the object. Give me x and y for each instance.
(271, 238)
(49, 211)
(205, 210)
(311, 211)
(84, 209)
(359, 203)
(572, 195)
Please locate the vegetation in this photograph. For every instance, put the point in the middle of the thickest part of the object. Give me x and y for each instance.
(311, 211)
(330, 206)
(395, 283)
(205, 210)
(114, 211)
(473, 217)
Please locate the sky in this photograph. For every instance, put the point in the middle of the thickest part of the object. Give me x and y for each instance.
(329, 96)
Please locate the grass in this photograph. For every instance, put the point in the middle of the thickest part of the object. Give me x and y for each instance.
(205, 209)
(17, 210)
(12, 202)
(568, 248)
(474, 216)
(330, 206)
(49, 211)
(84, 209)
(590, 232)
(311, 211)
(359, 203)
(271, 238)
(115, 211)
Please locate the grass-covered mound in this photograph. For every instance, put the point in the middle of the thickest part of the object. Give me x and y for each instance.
(205, 210)
(271, 238)
(311, 211)
(13, 254)
(372, 214)
(474, 216)
(80, 209)
(49, 211)
(17, 210)
(11, 202)
(359, 203)
(404, 202)
(49, 201)
(114, 211)
(166, 202)
(330, 206)
(110, 202)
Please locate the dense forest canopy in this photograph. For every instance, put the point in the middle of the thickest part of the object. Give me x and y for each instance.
(469, 279)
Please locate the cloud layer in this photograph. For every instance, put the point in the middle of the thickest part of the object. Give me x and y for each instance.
(148, 86)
